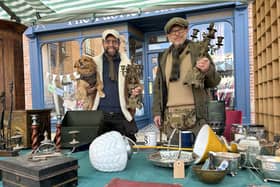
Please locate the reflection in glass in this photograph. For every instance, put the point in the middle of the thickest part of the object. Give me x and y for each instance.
(93, 46)
(158, 42)
(136, 56)
(59, 75)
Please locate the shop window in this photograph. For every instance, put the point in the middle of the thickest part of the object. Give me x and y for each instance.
(93, 46)
(59, 74)
(158, 42)
(223, 59)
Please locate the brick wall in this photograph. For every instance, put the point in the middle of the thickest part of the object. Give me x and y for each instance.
(27, 76)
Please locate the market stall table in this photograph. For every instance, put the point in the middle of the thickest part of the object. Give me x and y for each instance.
(140, 169)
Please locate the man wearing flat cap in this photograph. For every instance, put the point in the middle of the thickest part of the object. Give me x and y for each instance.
(117, 116)
(177, 103)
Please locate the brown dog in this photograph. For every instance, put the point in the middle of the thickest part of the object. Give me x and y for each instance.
(89, 78)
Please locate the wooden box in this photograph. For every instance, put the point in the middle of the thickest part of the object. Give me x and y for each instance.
(86, 122)
(21, 124)
(55, 171)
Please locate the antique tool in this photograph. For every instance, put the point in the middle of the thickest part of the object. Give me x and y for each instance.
(46, 150)
(46, 146)
(35, 133)
(133, 73)
(2, 133)
(6, 148)
(58, 134)
(9, 129)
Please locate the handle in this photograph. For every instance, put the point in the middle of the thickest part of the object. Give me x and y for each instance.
(161, 147)
(193, 137)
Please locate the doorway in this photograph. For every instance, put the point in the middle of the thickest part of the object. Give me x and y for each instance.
(152, 69)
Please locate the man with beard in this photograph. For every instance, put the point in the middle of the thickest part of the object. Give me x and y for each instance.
(178, 104)
(114, 105)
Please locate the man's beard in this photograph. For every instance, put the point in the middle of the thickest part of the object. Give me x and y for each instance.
(112, 57)
(111, 54)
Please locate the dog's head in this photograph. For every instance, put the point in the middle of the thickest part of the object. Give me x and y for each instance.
(85, 65)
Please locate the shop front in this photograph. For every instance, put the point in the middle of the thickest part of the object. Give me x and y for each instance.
(54, 49)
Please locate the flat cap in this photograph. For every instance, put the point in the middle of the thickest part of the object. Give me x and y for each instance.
(175, 21)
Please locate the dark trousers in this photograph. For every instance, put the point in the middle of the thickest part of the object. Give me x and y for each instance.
(117, 122)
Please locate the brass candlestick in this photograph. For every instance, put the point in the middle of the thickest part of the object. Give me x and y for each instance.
(194, 77)
(133, 73)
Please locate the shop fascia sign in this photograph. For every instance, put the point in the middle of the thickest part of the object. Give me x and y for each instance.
(116, 17)
(104, 19)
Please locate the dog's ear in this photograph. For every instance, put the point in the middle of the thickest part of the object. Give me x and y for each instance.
(77, 64)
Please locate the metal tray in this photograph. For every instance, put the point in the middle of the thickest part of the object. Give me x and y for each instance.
(167, 158)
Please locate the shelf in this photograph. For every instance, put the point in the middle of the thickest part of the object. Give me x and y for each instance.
(268, 55)
(275, 50)
(266, 40)
(275, 69)
(272, 3)
(276, 124)
(274, 33)
(275, 88)
(273, 15)
(276, 104)
(269, 72)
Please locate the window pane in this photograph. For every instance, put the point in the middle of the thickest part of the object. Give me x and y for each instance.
(93, 46)
(223, 59)
(158, 42)
(136, 55)
(59, 75)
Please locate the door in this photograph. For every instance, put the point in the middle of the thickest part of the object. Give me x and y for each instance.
(152, 69)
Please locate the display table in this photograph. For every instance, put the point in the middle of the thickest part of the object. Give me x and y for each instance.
(140, 169)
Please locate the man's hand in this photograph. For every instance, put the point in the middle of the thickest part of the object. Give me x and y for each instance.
(136, 91)
(203, 64)
(157, 121)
